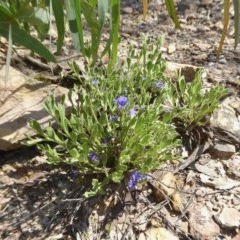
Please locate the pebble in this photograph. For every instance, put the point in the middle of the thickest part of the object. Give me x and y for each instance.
(127, 10)
(171, 48)
(228, 218)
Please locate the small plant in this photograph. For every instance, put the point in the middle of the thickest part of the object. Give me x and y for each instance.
(190, 103)
(117, 126)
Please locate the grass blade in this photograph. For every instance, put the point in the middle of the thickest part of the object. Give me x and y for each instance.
(94, 25)
(9, 54)
(236, 5)
(145, 8)
(21, 37)
(226, 8)
(172, 12)
(59, 17)
(115, 24)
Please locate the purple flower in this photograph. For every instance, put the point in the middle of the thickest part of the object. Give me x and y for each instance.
(106, 140)
(158, 84)
(135, 177)
(95, 82)
(114, 118)
(93, 157)
(75, 174)
(132, 112)
(121, 101)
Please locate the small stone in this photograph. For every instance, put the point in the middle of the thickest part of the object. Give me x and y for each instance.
(223, 61)
(233, 166)
(171, 49)
(223, 150)
(201, 224)
(225, 118)
(228, 218)
(127, 10)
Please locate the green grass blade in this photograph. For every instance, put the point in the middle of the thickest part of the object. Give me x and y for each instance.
(172, 12)
(236, 5)
(78, 9)
(94, 25)
(21, 37)
(226, 8)
(102, 10)
(70, 7)
(115, 24)
(59, 17)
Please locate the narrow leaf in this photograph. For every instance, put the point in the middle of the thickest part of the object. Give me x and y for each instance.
(172, 12)
(145, 8)
(226, 8)
(21, 37)
(70, 7)
(59, 17)
(9, 54)
(115, 23)
(236, 5)
(93, 23)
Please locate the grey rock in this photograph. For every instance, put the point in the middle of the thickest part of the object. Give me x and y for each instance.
(21, 99)
(201, 224)
(224, 118)
(223, 150)
(228, 218)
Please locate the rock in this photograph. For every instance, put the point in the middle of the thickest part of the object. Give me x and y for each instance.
(188, 71)
(21, 99)
(171, 48)
(157, 234)
(233, 166)
(167, 185)
(223, 150)
(228, 218)
(127, 10)
(237, 236)
(201, 224)
(218, 182)
(224, 118)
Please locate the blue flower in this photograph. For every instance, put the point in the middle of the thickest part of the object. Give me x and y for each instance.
(121, 101)
(135, 177)
(75, 174)
(132, 112)
(95, 82)
(158, 84)
(106, 140)
(114, 118)
(93, 157)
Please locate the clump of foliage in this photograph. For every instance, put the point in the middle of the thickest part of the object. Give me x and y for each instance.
(117, 124)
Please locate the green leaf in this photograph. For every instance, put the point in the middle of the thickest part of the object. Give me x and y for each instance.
(59, 17)
(71, 14)
(6, 15)
(74, 153)
(172, 12)
(182, 85)
(94, 25)
(19, 36)
(102, 10)
(115, 24)
(36, 126)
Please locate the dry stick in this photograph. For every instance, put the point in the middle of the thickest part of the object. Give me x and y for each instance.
(195, 154)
